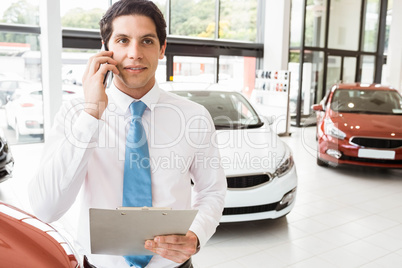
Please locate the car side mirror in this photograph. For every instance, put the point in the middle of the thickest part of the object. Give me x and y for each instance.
(317, 107)
(268, 119)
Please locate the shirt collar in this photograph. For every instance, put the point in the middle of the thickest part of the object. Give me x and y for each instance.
(123, 101)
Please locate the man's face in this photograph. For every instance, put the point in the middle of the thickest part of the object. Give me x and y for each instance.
(137, 50)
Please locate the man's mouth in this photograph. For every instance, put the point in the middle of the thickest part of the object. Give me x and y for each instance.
(136, 68)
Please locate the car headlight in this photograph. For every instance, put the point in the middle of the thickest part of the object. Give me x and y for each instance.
(285, 164)
(332, 130)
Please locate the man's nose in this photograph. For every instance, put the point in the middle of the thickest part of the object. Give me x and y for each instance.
(135, 51)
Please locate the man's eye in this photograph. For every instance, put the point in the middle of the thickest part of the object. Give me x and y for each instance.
(122, 41)
(148, 41)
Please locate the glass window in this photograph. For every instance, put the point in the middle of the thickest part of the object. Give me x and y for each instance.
(238, 73)
(238, 20)
(294, 63)
(194, 69)
(195, 18)
(344, 23)
(82, 14)
(367, 67)
(367, 101)
(19, 12)
(160, 74)
(227, 109)
(349, 70)
(334, 66)
(315, 23)
(313, 68)
(296, 20)
(161, 4)
(388, 25)
(370, 33)
(21, 114)
(74, 62)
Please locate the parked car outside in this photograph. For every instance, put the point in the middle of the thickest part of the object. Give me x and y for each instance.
(259, 167)
(28, 242)
(8, 87)
(24, 111)
(360, 124)
(6, 158)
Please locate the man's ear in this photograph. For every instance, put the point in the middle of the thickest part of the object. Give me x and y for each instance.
(162, 51)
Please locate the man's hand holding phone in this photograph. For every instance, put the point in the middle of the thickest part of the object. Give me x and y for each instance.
(93, 82)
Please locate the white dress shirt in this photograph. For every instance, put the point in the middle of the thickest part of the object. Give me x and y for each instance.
(83, 160)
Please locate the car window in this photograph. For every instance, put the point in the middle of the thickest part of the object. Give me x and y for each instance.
(8, 85)
(25, 85)
(367, 101)
(227, 109)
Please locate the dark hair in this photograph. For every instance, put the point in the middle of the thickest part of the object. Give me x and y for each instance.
(133, 7)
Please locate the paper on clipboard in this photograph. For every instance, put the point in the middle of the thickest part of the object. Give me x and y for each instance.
(123, 231)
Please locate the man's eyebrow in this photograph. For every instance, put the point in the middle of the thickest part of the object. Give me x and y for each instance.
(121, 35)
(152, 35)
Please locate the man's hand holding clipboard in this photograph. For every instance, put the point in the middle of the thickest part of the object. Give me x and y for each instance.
(143, 231)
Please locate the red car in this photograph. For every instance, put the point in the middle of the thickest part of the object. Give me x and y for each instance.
(360, 124)
(25, 241)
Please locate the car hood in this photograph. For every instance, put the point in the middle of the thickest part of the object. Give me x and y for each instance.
(354, 124)
(250, 151)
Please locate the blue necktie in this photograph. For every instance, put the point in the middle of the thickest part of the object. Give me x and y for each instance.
(137, 189)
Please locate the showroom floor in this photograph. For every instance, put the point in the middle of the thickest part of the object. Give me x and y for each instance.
(343, 217)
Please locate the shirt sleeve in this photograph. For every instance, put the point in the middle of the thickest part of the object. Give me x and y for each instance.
(210, 184)
(62, 168)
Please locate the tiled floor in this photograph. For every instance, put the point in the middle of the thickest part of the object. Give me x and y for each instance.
(343, 217)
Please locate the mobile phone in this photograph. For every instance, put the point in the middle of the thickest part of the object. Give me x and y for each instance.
(108, 73)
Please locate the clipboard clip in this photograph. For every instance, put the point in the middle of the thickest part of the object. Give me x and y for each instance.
(143, 208)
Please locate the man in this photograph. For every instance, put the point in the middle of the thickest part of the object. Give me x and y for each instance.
(84, 158)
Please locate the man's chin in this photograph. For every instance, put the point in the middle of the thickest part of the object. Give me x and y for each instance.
(134, 87)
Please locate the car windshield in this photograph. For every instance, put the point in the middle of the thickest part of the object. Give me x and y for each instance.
(367, 101)
(228, 109)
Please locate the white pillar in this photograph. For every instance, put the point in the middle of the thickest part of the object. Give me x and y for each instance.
(51, 49)
(276, 35)
(394, 59)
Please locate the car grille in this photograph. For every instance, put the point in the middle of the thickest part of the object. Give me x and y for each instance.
(248, 180)
(377, 143)
(249, 210)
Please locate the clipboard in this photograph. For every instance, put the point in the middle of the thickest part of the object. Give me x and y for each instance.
(123, 231)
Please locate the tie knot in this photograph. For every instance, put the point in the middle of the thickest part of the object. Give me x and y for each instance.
(137, 108)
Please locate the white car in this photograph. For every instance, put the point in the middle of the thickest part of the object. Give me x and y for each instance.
(24, 111)
(9, 85)
(259, 167)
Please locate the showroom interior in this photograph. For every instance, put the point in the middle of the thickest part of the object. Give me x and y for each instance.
(342, 216)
